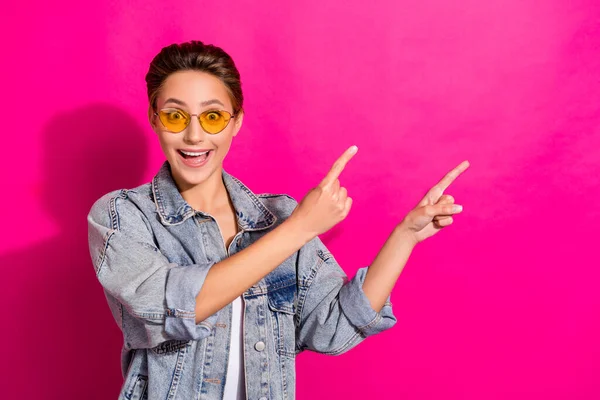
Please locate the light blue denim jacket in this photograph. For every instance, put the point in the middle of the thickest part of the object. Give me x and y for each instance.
(151, 252)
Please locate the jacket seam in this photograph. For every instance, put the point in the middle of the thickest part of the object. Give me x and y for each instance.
(307, 285)
(375, 321)
(102, 255)
(346, 346)
(113, 215)
(267, 214)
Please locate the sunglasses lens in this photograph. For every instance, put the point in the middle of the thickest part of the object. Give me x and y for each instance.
(174, 120)
(214, 121)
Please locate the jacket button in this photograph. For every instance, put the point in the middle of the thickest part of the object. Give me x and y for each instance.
(259, 346)
(263, 398)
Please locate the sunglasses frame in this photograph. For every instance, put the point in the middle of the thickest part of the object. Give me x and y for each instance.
(232, 116)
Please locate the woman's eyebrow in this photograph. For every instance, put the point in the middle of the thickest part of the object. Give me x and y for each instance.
(178, 102)
(203, 104)
(212, 101)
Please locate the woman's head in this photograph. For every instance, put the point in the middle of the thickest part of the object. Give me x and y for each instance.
(194, 56)
(186, 81)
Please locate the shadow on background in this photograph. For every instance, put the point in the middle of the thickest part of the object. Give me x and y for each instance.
(65, 343)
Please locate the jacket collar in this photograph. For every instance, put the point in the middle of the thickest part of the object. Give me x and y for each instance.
(251, 213)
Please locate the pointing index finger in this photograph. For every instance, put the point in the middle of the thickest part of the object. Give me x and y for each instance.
(339, 166)
(452, 175)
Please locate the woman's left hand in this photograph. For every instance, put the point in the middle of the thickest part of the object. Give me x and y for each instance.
(435, 210)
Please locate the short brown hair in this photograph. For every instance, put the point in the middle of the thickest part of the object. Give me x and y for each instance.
(195, 56)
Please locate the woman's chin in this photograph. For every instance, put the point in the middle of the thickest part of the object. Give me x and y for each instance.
(190, 177)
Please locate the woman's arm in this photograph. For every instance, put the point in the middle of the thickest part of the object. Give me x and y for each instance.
(321, 209)
(334, 314)
(432, 213)
(154, 300)
(231, 277)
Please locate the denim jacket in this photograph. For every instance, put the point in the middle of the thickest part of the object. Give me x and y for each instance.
(151, 253)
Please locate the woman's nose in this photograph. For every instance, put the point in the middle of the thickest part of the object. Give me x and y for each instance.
(194, 132)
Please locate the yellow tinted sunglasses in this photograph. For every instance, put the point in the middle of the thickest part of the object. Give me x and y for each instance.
(211, 121)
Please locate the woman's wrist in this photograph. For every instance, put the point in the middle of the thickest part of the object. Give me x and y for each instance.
(404, 235)
(297, 231)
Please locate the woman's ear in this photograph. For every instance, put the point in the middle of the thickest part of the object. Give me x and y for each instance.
(153, 119)
(239, 119)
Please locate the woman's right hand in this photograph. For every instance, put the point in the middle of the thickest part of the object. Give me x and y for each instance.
(325, 205)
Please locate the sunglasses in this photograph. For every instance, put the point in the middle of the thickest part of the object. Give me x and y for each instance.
(211, 121)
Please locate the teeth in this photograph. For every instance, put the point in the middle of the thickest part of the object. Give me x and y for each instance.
(187, 153)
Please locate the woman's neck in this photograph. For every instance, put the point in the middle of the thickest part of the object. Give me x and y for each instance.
(209, 196)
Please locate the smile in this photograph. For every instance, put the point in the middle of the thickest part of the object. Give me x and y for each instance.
(195, 158)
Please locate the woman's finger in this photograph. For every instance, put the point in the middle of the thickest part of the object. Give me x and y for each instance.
(443, 221)
(338, 167)
(347, 206)
(446, 199)
(335, 186)
(342, 195)
(442, 210)
(452, 175)
(434, 194)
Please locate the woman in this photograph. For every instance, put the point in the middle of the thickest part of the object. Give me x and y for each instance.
(216, 289)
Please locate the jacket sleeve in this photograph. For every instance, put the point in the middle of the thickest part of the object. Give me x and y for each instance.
(334, 314)
(152, 300)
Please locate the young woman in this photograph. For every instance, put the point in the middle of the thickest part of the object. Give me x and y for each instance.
(215, 288)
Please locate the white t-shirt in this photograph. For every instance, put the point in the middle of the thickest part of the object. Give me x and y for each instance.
(235, 384)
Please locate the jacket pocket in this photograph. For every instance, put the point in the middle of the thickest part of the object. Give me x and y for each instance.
(282, 303)
(138, 388)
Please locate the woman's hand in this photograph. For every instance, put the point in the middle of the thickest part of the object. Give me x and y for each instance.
(434, 211)
(325, 205)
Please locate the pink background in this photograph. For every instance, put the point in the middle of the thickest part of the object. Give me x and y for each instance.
(503, 305)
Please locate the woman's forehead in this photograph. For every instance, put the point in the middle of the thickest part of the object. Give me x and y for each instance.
(194, 88)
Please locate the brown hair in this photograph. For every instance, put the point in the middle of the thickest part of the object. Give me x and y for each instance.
(195, 56)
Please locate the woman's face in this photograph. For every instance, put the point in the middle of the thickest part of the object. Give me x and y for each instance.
(194, 155)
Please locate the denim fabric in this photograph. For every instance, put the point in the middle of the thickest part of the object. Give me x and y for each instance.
(151, 252)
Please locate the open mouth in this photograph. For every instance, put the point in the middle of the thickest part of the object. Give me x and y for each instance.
(195, 158)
